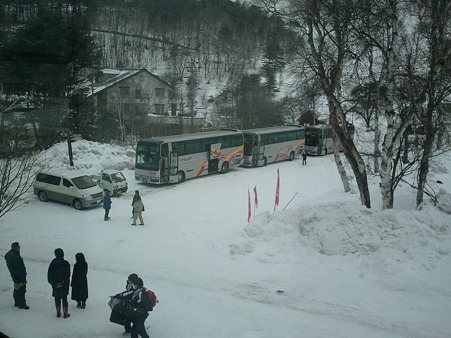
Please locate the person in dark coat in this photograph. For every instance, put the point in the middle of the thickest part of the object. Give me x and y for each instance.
(18, 273)
(140, 299)
(304, 157)
(127, 294)
(79, 282)
(58, 277)
(107, 203)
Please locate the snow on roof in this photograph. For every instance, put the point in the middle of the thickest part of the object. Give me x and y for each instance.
(109, 77)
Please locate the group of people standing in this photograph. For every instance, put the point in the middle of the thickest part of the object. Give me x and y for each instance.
(137, 206)
(58, 276)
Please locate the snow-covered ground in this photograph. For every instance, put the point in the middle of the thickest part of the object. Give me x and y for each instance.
(323, 267)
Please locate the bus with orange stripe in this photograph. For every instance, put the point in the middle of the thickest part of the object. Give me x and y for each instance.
(272, 144)
(173, 159)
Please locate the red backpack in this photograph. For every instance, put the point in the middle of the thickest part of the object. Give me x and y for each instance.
(152, 300)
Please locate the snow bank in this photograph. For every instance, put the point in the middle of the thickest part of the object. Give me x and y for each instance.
(89, 157)
(347, 229)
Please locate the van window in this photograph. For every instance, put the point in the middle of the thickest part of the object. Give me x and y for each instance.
(49, 179)
(83, 182)
(67, 183)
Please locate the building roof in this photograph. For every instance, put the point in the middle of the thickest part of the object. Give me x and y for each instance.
(110, 77)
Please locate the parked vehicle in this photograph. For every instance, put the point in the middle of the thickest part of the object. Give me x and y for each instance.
(173, 159)
(113, 180)
(78, 191)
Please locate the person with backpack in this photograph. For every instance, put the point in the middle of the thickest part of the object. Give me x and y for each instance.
(140, 301)
(116, 316)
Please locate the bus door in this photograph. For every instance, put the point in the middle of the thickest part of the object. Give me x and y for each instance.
(213, 161)
(173, 167)
(164, 163)
(260, 151)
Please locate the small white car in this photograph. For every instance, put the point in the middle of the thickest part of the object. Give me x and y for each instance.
(79, 191)
(113, 180)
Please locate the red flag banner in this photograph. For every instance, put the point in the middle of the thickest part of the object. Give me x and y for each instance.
(248, 205)
(256, 197)
(277, 190)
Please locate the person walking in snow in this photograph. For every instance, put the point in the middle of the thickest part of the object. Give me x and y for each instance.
(58, 276)
(18, 273)
(140, 299)
(79, 281)
(304, 157)
(127, 294)
(107, 203)
(138, 208)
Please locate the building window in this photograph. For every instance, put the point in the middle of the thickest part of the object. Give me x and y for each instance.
(124, 91)
(159, 109)
(138, 94)
(159, 92)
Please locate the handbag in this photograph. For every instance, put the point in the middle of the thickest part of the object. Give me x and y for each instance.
(132, 311)
(117, 316)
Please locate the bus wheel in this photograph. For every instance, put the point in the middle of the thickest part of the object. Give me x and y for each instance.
(180, 177)
(291, 158)
(265, 161)
(224, 167)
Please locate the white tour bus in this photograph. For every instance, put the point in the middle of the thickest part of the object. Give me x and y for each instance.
(318, 139)
(272, 144)
(172, 159)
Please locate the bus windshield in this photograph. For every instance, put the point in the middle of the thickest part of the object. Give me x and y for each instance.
(148, 156)
(311, 137)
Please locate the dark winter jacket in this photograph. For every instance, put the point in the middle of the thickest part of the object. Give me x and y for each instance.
(107, 202)
(79, 279)
(140, 298)
(16, 266)
(58, 276)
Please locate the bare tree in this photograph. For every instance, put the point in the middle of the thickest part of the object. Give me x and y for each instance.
(326, 26)
(434, 80)
(16, 178)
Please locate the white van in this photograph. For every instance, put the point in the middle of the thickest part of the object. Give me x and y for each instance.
(80, 192)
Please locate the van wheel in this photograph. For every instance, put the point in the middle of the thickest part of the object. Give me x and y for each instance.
(224, 167)
(78, 205)
(291, 158)
(180, 177)
(43, 196)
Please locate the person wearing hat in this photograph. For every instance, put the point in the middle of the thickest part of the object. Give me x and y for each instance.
(58, 276)
(18, 273)
(107, 204)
